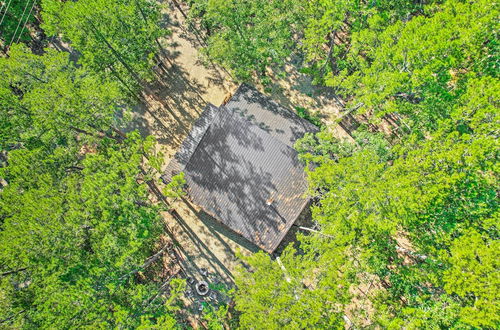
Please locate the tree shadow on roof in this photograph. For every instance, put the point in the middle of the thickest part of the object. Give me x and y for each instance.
(280, 122)
(245, 178)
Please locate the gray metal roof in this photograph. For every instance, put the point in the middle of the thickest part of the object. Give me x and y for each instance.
(264, 112)
(188, 146)
(233, 168)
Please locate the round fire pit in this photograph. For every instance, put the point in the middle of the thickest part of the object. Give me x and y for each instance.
(202, 288)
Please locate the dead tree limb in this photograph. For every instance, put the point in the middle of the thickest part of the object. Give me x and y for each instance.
(13, 271)
(315, 231)
(148, 262)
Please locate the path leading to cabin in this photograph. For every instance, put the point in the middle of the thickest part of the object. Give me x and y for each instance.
(207, 250)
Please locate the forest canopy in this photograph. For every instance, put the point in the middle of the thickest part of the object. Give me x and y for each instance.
(405, 211)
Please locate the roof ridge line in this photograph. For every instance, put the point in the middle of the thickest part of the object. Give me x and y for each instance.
(183, 155)
(205, 130)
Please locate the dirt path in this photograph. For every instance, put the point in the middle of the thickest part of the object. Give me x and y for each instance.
(207, 250)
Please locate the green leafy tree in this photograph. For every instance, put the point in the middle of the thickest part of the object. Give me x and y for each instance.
(75, 214)
(439, 194)
(301, 292)
(416, 221)
(117, 38)
(473, 276)
(329, 24)
(416, 69)
(247, 36)
(175, 188)
(45, 98)
(76, 231)
(16, 18)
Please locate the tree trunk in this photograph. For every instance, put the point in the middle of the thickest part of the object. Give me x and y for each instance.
(12, 316)
(160, 47)
(116, 54)
(13, 271)
(287, 277)
(148, 262)
(154, 188)
(127, 87)
(82, 131)
(178, 6)
(330, 58)
(330, 48)
(119, 132)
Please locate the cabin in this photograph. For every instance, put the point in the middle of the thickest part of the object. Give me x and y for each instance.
(241, 168)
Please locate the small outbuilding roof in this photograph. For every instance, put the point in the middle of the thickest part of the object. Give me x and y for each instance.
(240, 166)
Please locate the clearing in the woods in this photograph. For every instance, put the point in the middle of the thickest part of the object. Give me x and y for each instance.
(203, 248)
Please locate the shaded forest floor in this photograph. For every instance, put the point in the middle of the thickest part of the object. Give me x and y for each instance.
(205, 249)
